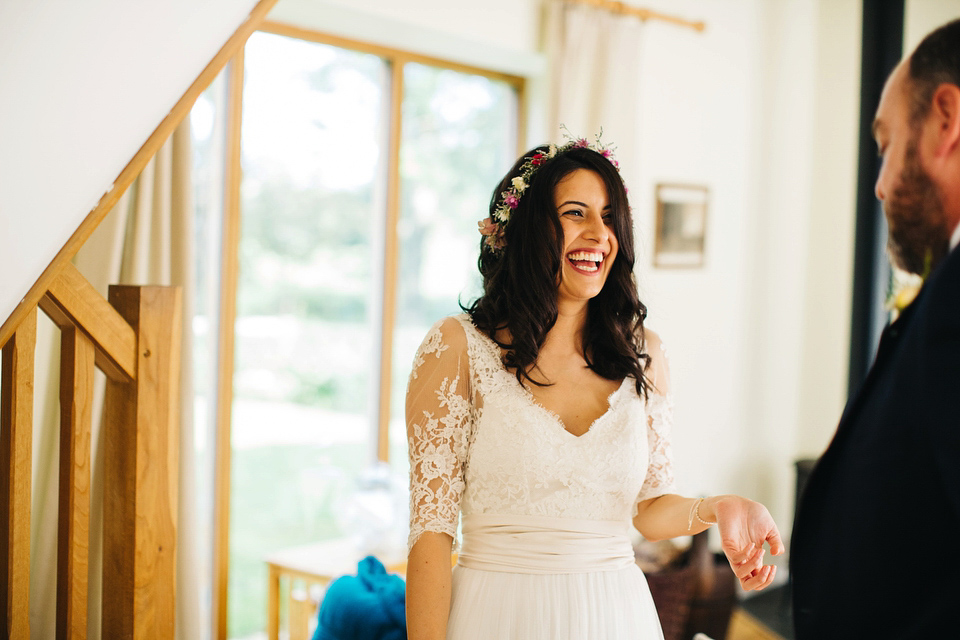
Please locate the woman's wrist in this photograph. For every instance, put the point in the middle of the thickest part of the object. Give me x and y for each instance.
(710, 507)
(695, 517)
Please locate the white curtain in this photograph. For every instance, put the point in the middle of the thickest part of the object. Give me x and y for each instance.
(594, 60)
(147, 238)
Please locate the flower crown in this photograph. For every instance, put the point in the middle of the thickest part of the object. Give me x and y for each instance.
(494, 228)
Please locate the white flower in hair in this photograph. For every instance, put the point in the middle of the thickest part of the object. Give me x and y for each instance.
(518, 184)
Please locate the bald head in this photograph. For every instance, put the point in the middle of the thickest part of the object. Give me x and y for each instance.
(934, 62)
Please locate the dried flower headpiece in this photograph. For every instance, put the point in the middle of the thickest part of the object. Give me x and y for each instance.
(493, 228)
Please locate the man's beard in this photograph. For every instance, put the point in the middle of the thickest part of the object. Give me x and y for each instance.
(919, 234)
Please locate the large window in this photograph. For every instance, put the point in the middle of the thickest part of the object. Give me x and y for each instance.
(364, 173)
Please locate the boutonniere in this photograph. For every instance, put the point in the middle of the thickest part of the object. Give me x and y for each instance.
(904, 288)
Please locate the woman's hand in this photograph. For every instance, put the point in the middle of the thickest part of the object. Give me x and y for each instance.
(744, 526)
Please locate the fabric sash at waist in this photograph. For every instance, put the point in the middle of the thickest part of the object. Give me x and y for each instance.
(539, 544)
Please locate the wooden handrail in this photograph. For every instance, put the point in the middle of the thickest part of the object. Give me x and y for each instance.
(71, 301)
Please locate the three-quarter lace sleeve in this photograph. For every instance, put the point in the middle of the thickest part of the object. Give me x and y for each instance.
(659, 479)
(439, 417)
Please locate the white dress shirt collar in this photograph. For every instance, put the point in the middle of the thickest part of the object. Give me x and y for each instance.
(955, 238)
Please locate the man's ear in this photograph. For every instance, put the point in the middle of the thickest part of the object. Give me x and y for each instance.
(945, 112)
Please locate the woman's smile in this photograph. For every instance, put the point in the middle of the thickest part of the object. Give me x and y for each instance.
(586, 262)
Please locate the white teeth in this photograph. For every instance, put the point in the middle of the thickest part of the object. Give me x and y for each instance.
(586, 256)
(586, 260)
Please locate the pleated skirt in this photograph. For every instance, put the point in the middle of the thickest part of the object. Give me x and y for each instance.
(600, 605)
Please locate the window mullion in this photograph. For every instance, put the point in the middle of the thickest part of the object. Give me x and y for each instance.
(390, 257)
(229, 268)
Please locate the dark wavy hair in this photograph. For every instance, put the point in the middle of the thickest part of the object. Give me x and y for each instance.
(935, 61)
(520, 280)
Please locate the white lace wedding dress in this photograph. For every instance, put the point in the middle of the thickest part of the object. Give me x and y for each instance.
(546, 553)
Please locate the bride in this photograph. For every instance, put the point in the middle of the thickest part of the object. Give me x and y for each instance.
(540, 421)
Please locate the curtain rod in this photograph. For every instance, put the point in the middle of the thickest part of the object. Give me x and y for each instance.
(625, 9)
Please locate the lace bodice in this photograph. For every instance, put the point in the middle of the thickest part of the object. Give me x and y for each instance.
(479, 442)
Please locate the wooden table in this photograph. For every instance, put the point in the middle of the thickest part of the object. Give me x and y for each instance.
(312, 564)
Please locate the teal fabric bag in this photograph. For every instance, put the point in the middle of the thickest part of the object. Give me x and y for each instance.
(367, 606)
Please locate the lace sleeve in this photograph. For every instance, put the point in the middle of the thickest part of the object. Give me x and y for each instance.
(439, 415)
(659, 479)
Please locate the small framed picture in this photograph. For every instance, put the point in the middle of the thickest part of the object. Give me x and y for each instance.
(681, 225)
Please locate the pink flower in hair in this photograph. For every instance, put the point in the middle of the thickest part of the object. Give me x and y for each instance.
(487, 227)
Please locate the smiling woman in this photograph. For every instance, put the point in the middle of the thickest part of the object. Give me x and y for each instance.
(540, 422)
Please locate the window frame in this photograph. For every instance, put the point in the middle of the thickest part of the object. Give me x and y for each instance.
(396, 60)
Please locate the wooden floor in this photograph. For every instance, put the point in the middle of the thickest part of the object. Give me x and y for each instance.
(743, 626)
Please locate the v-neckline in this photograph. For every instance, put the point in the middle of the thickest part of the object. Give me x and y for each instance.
(556, 417)
(494, 350)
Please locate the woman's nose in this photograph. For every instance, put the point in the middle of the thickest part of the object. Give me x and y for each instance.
(598, 229)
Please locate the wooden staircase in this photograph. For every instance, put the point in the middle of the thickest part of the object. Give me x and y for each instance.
(135, 340)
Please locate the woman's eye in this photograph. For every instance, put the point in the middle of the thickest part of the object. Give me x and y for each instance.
(573, 212)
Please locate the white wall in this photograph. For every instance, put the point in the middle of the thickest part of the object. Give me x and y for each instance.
(923, 16)
(82, 87)
(699, 125)
(762, 108)
(827, 301)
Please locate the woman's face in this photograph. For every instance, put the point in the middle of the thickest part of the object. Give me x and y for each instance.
(589, 242)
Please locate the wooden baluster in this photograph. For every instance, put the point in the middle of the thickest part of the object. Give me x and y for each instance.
(77, 361)
(16, 436)
(140, 471)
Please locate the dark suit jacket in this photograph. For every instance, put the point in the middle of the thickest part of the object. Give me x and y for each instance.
(876, 543)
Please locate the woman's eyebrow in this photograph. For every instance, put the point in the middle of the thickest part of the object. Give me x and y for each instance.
(582, 204)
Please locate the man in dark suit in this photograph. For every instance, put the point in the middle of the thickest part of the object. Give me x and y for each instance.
(876, 544)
